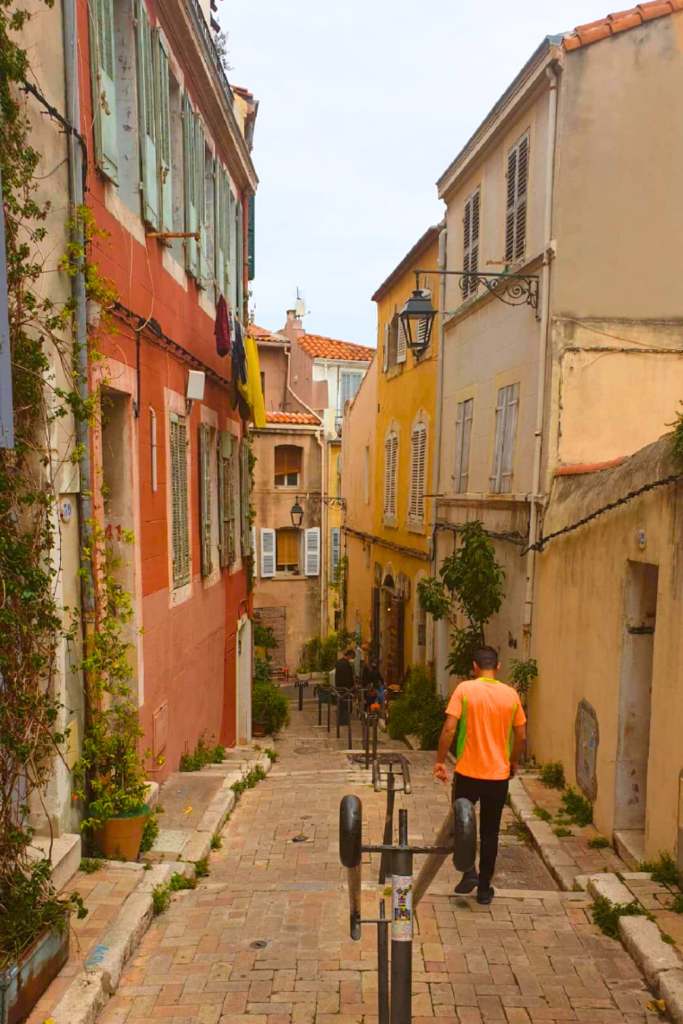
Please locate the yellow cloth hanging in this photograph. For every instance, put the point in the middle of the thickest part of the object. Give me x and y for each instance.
(251, 391)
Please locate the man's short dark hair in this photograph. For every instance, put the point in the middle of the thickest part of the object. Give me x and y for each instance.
(349, 653)
(486, 657)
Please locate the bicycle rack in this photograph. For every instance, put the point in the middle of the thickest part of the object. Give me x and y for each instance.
(395, 996)
(389, 780)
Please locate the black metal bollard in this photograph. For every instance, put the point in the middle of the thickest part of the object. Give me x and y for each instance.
(301, 694)
(375, 723)
(402, 925)
(383, 965)
(388, 837)
(320, 708)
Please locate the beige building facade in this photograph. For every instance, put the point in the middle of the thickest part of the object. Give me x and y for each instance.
(581, 362)
(608, 702)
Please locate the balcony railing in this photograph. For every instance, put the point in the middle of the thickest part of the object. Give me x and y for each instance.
(210, 47)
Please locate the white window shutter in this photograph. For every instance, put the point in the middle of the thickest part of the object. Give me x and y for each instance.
(463, 434)
(498, 442)
(312, 551)
(510, 433)
(418, 454)
(147, 119)
(267, 553)
(189, 163)
(163, 105)
(102, 66)
(401, 344)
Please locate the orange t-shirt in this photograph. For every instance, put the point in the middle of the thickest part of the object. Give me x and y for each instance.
(488, 711)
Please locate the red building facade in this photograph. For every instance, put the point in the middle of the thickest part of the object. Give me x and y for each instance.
(170, 181)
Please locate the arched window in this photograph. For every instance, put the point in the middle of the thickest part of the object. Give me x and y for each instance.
(288, 460)
(418, 459)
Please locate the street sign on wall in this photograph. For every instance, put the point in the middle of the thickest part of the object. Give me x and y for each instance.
(6, 412)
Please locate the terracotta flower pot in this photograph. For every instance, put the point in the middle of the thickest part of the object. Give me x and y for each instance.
(120, 838)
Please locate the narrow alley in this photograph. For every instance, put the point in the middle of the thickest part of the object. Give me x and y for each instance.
(264, 939)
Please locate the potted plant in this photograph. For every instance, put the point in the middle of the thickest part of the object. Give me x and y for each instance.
(110, 775)
(269, 709)
(303, 672)
(313, 649)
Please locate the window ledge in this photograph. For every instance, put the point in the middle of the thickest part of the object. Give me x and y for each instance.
(415, 526)
(179, 595)
(288, 577)
(394, 371)
(390, 521)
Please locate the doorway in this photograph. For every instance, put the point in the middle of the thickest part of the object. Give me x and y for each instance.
(635, 701)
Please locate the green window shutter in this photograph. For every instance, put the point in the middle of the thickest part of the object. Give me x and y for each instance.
(239, 259)
(189, 164)
(180, 536)
(163, 112)
(251, 237)
(205, 498)
(232, 250)
(245, 497)
(225, 234)
(218, 254)
(102, 69)
(227, 498)
(147, 119)
(200, 203)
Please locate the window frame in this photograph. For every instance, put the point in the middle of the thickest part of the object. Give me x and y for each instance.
(505, 437)
(179, 534)
(288, 485)
(297, 570)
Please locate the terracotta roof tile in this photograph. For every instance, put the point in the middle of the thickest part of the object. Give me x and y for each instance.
(580, 469)
(263, 334)
(620, 21)
(330, 348)
(300, 418)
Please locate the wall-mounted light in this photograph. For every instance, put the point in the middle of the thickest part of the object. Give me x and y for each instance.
(297, 514)
(196, 382)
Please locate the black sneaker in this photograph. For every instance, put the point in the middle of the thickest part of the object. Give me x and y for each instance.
(484, 896)
(468, 882)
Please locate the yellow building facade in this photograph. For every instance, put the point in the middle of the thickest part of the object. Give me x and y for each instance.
(394, 549)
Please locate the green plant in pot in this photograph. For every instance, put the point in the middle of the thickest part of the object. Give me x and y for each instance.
(110, 775)
(269, 709)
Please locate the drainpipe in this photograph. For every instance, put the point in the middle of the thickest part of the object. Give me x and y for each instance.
(536, 503)
(438, 419)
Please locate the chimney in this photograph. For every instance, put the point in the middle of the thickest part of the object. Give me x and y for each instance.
(294, 328)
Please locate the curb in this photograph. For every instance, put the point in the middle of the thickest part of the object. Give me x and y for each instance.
(99, 978)
(642, 939)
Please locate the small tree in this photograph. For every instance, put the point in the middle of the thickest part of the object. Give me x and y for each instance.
(470, 589)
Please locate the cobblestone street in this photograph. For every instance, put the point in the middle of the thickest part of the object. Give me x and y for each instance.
(264, 939)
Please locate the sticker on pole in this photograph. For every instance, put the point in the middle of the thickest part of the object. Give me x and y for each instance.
(402, 908)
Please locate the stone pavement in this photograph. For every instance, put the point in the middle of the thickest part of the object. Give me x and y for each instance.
(264, 940)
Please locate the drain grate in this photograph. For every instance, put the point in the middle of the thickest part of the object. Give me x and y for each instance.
(258, 944)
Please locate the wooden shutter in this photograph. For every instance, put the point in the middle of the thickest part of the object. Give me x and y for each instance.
(251, 237)
(335, 548)
(471, 243)
(147, 118)
(200, 203)
(390, 470)
(267, 553)
(509, 436)
(205, 498)
(103, 73)
(239, 258)
(226, 499)
(245, 496)
(219, 250)
(162, 75)
(463, 434)
(312, 551)
(190, 168)
(401, 343)
(418, 454)
(516, 206)
(179, 519)
(385, 352)
(498, 442)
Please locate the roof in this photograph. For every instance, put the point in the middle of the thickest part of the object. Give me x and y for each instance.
(263, 334)
(427, 239)
(621, 21)
(581, 468)
(294, 418)
(330, 348)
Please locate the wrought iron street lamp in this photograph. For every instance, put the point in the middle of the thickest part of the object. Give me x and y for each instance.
(297, 514)
(417, 319)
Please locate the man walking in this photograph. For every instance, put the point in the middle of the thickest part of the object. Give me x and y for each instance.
(491, 729)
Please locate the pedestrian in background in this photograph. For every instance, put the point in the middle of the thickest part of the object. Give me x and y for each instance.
(489, 722)
(344, 684)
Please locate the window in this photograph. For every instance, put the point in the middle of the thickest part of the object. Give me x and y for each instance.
(463, 434)
(228, 498)
(395, 347)
(208, 232)
(507, 408)
(190, 180)
(470, 246)
(312, 551)
(515, 217)
(335, 550)
(349, 382)
(154, 478)
(418, 455)
(390, 475)
(180, 536)
(287, 465)
(147, 118)
(177, 174)
(267, 553)
(288, 550)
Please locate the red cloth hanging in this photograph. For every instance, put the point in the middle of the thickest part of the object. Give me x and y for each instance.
(222, 328)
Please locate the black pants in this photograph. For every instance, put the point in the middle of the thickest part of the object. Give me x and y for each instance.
(491, 793)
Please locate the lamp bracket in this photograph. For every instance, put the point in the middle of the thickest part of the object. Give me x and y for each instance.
(512, 289)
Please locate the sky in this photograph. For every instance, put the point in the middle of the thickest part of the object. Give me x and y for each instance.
(363, 104)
